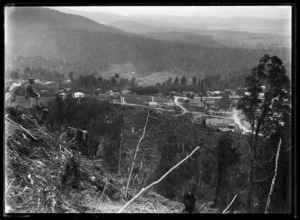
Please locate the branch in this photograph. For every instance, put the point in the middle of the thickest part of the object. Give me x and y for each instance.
(20, 126)
(225, 210)
(274, 179)
(152, 184)
(263, 180)
(103, 190)
(137, 149)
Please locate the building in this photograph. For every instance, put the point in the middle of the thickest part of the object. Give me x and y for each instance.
(185, 93)
(194, 103)
(126, 91)
(78, 95)
(241, 91)
(216, 93)
(153, 104)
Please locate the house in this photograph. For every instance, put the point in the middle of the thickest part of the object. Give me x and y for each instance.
(97, 91)
(210, 102)
(115, 93)
(126, 91)
(153, 104)
(232, 126)
(63, 95)
(216, 93)
(185, 93)
(78, 95)
(194, 103)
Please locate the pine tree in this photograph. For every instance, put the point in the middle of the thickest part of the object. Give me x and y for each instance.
(194, 80)
(183, 81)
(226, 155)
(176, 81)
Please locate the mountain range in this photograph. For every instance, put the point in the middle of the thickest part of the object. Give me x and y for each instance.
(43, 36)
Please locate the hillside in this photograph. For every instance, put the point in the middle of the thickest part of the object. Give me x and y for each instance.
(208, 37)
(59, 175)
(194, 39)
(240, 24)
(154, 78)
(100, 17)
(100, 47)
(44, 168)
(48, 18)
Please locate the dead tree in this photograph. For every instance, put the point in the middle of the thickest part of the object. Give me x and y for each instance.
(136, 151)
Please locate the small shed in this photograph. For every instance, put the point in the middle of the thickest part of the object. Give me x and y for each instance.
(153, 104)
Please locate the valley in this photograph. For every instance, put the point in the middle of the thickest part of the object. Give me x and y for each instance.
(132, 110)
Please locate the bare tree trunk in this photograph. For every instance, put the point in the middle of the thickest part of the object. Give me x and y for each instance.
(250, 174)
(273, 180)
(136, 151)
(152, 184)
(120, 154)
(218, 183)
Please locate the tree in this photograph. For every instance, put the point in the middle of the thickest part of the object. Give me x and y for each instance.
(176, 81)
(132, 82)
(183, 80)
(194, 80)
(113, 81)
(265, 115)
(27, 73)
(169, 81)
(226, 155)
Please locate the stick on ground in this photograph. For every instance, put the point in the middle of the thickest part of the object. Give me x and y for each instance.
(152, 184)
(225, 210)
(20, 126)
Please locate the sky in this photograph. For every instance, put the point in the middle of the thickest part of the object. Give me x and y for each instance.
(271, 12)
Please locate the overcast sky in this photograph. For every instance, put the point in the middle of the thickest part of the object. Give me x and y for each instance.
(213, 11)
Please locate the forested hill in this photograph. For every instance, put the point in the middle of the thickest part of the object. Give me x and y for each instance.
(49, 18)
(85, 46)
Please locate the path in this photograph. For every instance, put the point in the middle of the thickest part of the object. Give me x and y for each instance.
(237, 120)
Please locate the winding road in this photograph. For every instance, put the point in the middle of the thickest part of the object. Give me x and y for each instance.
(237, 120)
(234, 114)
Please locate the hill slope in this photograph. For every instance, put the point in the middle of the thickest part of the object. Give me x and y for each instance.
(89, 47)
(49, 18)
(207, 37)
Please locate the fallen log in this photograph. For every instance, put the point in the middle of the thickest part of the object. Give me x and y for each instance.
(20, 126)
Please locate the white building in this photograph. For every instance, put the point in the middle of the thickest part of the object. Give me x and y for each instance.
(78, 95)
(153, 104)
